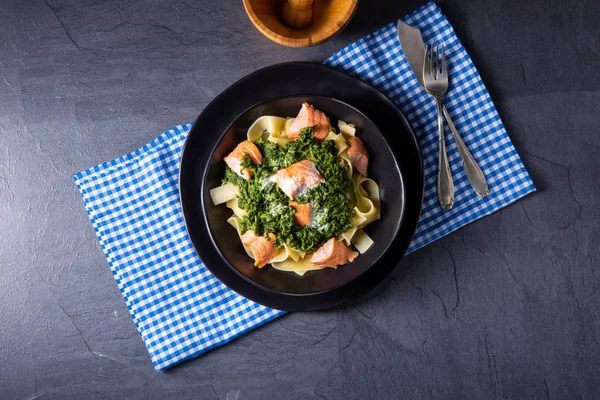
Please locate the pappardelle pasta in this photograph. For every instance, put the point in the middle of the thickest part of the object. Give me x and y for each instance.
(299, 192)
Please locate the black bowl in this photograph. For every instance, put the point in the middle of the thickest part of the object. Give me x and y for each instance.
(395, 163)
(383, 169)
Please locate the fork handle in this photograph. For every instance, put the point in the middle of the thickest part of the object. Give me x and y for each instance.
(445, 185)
(474, 174)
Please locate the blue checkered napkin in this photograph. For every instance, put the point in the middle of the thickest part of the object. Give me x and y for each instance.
(378, 59)
(179, 308)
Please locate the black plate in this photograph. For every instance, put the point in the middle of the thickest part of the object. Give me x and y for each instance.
(280, 90)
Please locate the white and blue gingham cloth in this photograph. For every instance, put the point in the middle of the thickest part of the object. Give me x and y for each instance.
(179, 308)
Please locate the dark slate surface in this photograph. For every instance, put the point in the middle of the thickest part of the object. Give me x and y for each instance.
(504, 308)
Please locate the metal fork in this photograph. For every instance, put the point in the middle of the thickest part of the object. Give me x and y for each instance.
(435, 80)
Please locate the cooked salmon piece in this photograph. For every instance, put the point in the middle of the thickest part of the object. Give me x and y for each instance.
(303, 211)
(309, 117)
(357, 152)
(263, 249)
(234, 159)
(298, 177)
(332, 254)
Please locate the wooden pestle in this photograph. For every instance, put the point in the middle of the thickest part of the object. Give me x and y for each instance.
(297, 13)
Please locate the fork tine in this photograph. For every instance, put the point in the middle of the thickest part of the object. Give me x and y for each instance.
(436, 62)
(430, 55)
(444, 66)
(431, 62)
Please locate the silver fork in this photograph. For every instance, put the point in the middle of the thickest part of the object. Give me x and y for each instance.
(435, 80)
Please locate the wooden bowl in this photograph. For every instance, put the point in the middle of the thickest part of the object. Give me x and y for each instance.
(329, 18)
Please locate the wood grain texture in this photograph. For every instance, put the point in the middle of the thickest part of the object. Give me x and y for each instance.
(327, 18)
(506, 307)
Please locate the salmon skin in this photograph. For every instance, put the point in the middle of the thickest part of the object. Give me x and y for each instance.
(294, 179)
(262, 249)
(332, 254)
(357, 152)
(234, 159)
(303, 212)
(309, 117)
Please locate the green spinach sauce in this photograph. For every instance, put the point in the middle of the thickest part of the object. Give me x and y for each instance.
(267, 207)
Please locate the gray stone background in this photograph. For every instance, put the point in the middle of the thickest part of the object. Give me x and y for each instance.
(507, 307)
